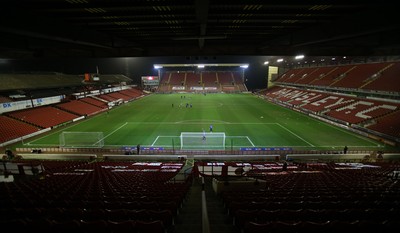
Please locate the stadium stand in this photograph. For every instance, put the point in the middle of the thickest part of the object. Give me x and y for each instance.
(209, 79)
(239, 81)
(193, 81)
(94, 101)
(133, 195)
(95, 191)
(387, 124)
(344, 94)
(311, 200)
(340, 108)
(47, 100)
(44, 117)
(197, 81)
(108, 97)
(353, 76)
(177, 78)
(11, 129)
(359, 74)
(123, 191)
(384, 79)
(131, 93)
(47, 187)
(80, 108)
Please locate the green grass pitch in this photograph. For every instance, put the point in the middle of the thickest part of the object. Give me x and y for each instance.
(157, 120)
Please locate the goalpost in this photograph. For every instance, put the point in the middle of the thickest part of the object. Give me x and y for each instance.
(194, 140)
(81, 139)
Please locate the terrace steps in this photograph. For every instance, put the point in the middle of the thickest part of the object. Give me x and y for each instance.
(189, 219)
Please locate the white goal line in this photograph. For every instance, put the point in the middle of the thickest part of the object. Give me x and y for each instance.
(199, 136)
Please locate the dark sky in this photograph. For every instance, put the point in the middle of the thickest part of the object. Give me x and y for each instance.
(136, 67)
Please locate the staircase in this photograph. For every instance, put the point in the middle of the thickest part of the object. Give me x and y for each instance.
(189, 219)
(220, 222)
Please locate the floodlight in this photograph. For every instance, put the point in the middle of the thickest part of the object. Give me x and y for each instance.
(298, 57)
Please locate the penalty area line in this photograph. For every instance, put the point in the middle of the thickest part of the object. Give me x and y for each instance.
(295, 135)
(152, 144)
(250, 141)
(160, 136)
(115, 130)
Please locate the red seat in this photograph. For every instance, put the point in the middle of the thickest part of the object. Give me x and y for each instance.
(243, 216)
(66, 226)
(40, 225)
(285, 227)
(96, 226)
(117, 215)
(14, 225)
(253, 227)
(152, 226)
(128, 226)
(93, 214)
(164, 215)
(169, 205)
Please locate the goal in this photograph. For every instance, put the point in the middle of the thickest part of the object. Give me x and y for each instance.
(194, 140)
(81, 139)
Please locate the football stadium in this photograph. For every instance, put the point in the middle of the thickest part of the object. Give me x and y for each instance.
(200, 117)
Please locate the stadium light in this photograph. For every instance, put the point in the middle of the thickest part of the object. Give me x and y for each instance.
(158, 66)
(266, 62)
(279, 60)
(200, 66)
(298, 57)
(244, 66)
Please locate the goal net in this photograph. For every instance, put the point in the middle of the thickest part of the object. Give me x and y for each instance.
(195, 140)
(81, 139)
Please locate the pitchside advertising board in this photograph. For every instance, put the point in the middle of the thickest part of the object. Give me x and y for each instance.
(150, 80)
(265, 148)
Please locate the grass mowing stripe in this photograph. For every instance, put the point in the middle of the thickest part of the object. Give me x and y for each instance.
(354, 135)
(147, 119)
(199, 122)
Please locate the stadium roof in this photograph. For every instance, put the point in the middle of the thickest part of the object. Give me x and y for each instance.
(146, 28)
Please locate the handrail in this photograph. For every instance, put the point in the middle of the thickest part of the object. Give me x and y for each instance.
(204, 213)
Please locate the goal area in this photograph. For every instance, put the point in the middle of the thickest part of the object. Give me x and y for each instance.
(195, 140)
(81, 139)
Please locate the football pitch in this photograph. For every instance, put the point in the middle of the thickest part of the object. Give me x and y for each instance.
(238, 121)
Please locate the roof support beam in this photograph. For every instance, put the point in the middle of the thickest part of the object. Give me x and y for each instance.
(202, 16)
